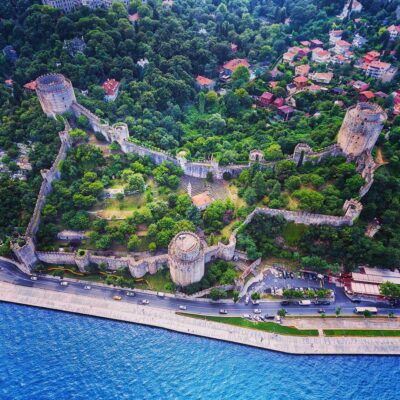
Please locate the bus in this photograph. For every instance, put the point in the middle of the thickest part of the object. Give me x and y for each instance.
(361, 310)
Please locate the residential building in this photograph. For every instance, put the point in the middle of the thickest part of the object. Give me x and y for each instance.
(288, 57)
(394, 31)
(278, 102)
(359, 41)
(313, 88)
(300, 81)
(204, 83)
(305, 43)
(266, 99)
(341, 47)
(230, 67)
(366, 96)
(291, 88)
(320, 55)
(302, 70)
(322, 77)
(334, 36)
(371, 56)
(360, 86)
(315, 43)
(376, 69)
(111, 89)
(65, 5)
(285, 112)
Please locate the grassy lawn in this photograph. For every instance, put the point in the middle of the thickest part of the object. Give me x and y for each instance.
(362, 332)
(293, 232)
(262, 326)
(155, 282)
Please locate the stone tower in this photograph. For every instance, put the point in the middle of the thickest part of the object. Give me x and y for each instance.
(55, 93)
(186, 258)
(360, 128)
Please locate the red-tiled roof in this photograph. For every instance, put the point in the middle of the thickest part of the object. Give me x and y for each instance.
(203, 81)
(305, 43)
(343, 43)
(201, 200)
(234, 46)
(316, 42)
(9, 82)
(321, 52)
(394, 28)
(368, 94)
(300, 79)
(379, 65)
(134, 17)
(235, 63)
(302, 69)
(373, 54)
(30, 85)
(267, 96)
(110, 86)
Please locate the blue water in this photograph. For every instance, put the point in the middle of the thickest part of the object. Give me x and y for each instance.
(52, 355)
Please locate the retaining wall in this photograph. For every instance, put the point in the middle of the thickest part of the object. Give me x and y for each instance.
(168, 319)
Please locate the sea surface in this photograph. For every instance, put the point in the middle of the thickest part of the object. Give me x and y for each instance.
(54, 355)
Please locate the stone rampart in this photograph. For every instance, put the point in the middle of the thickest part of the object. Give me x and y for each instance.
(48, 177)
(55, 257)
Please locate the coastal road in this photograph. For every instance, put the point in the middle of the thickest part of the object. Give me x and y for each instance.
(11, 274)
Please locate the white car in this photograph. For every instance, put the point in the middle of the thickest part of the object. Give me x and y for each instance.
(247, 300)
(257, 311)
(64, 283)
(87, 287)
(144, 302)
(182, 307)
(130, 294)
(33, 278)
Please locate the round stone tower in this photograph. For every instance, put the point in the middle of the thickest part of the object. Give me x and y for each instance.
(360, 128)
(186, 258)
(55, 93)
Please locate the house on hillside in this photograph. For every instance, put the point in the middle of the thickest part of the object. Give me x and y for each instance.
(266, 99)
(111, 89)
(204, 83)
(230, 67)
(322, 77)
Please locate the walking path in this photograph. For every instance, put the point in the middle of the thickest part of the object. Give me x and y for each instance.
(168, 319)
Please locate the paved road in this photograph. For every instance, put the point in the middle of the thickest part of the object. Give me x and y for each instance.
(11, 274)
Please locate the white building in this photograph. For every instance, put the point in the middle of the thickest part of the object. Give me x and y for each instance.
(320, 56)
(376, 69)
(359, 41)
(66, 5)
(394, 31)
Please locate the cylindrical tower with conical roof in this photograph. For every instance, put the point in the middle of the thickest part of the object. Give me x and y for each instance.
(55, 93)
(186, 258)
(360, 128)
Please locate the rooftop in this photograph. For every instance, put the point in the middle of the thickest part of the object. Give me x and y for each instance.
(235, 63)
(203, 81)
(110, 86)
(201, 200)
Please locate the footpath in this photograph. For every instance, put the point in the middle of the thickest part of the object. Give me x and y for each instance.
(168, 319)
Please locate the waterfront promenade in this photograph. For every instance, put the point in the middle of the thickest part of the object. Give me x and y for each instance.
(146, 315)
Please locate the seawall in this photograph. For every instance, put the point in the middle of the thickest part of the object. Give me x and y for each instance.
(167, 319)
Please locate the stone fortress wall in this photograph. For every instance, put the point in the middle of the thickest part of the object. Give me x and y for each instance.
(185, 271)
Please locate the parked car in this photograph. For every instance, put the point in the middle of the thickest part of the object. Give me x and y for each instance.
(267, 316)
(87, 287)
(286, 303)
(322, 302)
(161, 294)
(64, 283)
(248, 316)
(257, 311)
(182, 308)
(255, 302)
(305, 303)
(117, 298)
(223, 311)
(355, 300)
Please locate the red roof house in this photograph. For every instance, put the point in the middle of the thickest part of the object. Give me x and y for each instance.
(204, 83)
(285, 112)
(278, 102)
(266, 99)
(231, 66)
(366, 96)
(300, 81)
(133, 18)
(111, 89)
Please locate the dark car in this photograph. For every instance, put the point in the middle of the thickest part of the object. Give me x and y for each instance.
(321, 311)
(267, 316)
(355, 300)
(322, 302)
(286, 303)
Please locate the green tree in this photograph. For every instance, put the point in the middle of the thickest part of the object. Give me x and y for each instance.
(217, 294)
